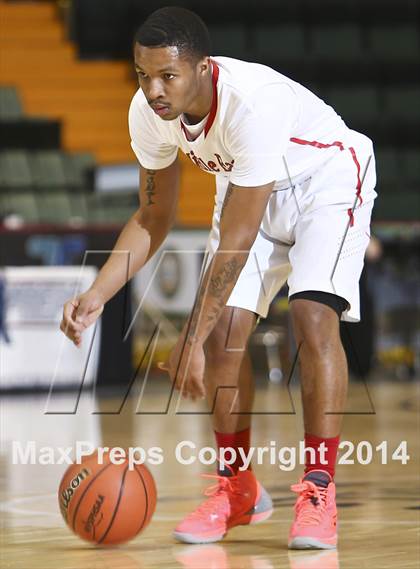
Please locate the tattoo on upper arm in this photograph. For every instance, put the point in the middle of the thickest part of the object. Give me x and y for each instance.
(150, 186)
(228, 195)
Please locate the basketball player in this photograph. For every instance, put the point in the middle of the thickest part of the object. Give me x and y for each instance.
(295, 190)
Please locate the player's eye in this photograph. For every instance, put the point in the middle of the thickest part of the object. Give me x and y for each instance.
(169, 76)
(141, 73)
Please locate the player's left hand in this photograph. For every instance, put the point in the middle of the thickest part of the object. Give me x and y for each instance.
(185, 366)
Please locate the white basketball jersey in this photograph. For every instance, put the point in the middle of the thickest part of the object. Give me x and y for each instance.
(262, 127)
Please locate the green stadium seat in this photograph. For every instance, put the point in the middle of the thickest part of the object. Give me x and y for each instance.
(10, 105)
(120, 206)
(22, 204)
(76, 169)
(120, 215)
(78, 206)
(54, 207)
(280, 42)
(97, 212)
(403, 103)
(395, 42)
(15, 172)
(358, 104)
(48, 169)
(339, 42)
(115, 208)
(229, 40)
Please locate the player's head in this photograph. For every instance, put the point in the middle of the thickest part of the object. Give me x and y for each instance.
(171, 53)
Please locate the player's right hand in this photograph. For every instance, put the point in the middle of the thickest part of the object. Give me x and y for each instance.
(79, 313)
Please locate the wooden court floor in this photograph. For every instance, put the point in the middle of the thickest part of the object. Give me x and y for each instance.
(378, 503)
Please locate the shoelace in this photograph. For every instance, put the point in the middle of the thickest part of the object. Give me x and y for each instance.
(213, 504)
(311, 502)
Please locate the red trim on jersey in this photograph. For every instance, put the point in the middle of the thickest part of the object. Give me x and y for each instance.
(359, 182)
(341, 146)
(213, 108)
(317, 144)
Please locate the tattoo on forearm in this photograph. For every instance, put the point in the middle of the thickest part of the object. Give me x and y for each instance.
(216, 288)
(228, 274)
(150, 186)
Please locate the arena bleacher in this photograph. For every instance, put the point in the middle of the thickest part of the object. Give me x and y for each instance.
(63, 109)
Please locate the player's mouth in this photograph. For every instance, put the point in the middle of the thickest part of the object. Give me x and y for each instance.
(160, 110)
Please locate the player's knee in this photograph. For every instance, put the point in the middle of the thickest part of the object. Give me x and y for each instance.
(316, 327)
(228, 340)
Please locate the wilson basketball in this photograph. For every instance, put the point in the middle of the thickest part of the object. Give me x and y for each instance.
(107, 503)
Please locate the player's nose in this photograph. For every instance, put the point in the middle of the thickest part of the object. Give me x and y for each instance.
(155, 91)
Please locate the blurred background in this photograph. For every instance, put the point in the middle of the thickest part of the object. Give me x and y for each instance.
(69, 180)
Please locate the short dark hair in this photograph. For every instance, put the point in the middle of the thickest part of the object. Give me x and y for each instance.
(175, 26)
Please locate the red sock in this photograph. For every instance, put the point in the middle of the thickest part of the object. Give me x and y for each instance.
(238, 440)
(331, 445)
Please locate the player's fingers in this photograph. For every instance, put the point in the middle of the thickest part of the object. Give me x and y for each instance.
(197, 390)
(77, 339)
(193, 392)
(69, 331)
(69, 316)
(190, 389)
(69, 328)
(72, 336)
(185, 392)
(66, 329)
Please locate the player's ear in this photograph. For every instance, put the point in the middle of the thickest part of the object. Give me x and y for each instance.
(204, 65)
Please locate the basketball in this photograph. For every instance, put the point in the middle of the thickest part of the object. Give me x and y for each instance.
(107, 503)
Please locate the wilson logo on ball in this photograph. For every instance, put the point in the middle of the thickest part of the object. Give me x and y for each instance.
(68, 493)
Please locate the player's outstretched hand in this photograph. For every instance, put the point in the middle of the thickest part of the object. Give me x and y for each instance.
(79, 313)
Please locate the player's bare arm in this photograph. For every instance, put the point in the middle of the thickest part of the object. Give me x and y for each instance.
(139, 240)
(243, 210)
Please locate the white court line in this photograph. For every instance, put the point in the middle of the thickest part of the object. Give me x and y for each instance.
(12, 510)
(28, 499)
(159, 518)
(341, 522)
(9, 507)
(58, 538)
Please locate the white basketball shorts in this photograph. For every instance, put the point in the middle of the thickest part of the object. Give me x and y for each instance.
(313, 235)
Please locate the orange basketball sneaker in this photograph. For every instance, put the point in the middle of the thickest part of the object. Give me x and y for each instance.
(232, 501)
(315, 524)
